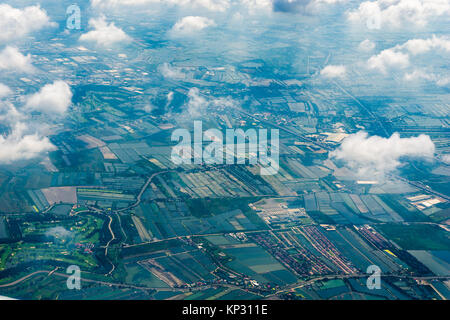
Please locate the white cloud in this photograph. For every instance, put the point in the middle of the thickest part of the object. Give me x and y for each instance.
(169, 98)
(332, 71)
(418, 75)
(366, 45)
(420, 46)
(19, 145)
(400, 13)
(212, 5)
(254, 6)
(4, 90)
(104, 33)
(377, 156)
(446, 158)
(190, 25)
(9, 113)
(169, 72)
(25, 139)
(399, 56)
(16, 23)
(388, 59)
(196, 104)
(53, 98)
(443, 81)
(12, 59)
(149, 108)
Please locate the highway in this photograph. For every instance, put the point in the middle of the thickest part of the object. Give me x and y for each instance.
(351, 276)
(298, 135)
(425, 188)
(285, 289)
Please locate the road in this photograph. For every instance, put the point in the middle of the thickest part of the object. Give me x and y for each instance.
(425, 188)
(23, 278)
(350, 276)
(139, 196)
(286, 289)
(110, 216)
(114, 284)
(298, 135)
(370, 113)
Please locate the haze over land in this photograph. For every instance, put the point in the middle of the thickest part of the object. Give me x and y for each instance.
(91, 94)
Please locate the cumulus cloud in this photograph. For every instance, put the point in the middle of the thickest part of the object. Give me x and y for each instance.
(418, 75)
(376, 156)
(15, 23)
(53, 98)
(9, 113)
(332, 71)
(387, 60)
(12, 59)
(400, 13)
(366, 45)
(20, 145)
(191, 24)
(399, 57)
(196, 104)
(24, 139)
(254, 6)
(4, 90)
(212, 5)
(169, 72)
(446, 158)
(104, 34)
(443, 81)
(419, 46)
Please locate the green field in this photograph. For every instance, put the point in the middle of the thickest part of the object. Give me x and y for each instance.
(417, 236)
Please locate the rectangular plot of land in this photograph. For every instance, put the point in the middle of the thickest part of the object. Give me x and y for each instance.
(359, 204)
(60, 194)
